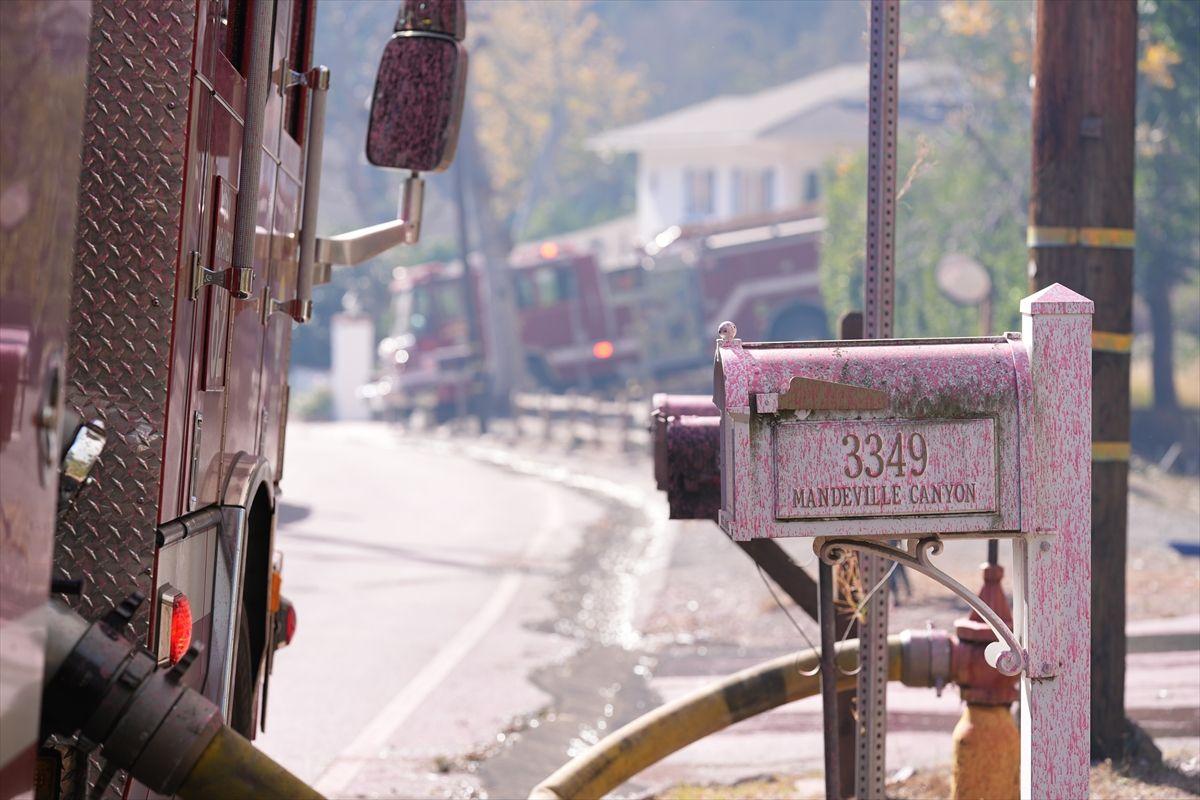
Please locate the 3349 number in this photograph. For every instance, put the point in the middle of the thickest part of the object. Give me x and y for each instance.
(905, 455)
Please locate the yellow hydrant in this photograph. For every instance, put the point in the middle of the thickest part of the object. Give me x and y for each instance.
(987, 745)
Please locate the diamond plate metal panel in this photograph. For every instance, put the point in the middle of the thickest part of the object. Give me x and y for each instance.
(130, 204)
(131, 194)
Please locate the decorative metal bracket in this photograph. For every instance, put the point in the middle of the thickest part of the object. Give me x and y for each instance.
(238, 281)
(1006, 655)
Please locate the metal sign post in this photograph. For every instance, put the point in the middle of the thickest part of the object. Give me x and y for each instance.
(879, 297)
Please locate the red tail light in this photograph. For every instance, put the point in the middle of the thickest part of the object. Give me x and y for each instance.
(285, 623)
(289, 624)
(603, 349)
(181, 626)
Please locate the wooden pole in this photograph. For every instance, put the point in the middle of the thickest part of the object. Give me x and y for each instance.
(829, 676)
(1081, 220)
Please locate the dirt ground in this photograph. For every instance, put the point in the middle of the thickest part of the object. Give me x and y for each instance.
(1171, 780)
(1163, 509)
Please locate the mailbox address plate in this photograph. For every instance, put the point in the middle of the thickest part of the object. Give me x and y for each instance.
(850, 469)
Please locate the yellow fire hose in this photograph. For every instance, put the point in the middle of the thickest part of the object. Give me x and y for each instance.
(230, 767)
(671, 727)
(101, 684)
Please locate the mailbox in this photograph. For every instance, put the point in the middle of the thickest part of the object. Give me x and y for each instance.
(856, 444)
(872, 437)
(685, 431)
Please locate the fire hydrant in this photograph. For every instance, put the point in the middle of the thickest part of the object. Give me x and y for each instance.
(987, 744)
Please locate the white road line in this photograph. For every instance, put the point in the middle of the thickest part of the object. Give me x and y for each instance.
(379, 731)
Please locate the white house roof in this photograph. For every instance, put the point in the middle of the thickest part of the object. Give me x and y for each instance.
(735, 119)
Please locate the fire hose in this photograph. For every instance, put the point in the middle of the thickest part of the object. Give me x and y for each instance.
(111, 693)
(915, 658)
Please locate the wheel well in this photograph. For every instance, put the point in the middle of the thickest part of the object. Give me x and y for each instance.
(798, 322)
(256, 586)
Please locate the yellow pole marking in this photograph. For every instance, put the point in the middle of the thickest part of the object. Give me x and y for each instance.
(1110, 451)
(1053, 236)
(1112, 342)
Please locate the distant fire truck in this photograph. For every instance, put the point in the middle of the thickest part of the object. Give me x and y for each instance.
(195, 252)
(583, 326)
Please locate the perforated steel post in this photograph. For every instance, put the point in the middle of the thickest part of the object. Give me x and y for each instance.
(879, 296)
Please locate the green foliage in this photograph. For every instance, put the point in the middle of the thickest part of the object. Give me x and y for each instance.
(1168, 144)
(944, 211)
(969, 192)
(545, 77)
(314, 406)
(963, 187)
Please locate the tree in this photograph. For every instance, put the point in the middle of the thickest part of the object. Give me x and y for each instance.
(1168, 172)
(545, 77)
(966, 183)
(969, 192)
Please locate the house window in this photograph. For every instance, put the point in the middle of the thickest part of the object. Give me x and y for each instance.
(698, 193)
(812, 186)
(753, 191)
(767, 183)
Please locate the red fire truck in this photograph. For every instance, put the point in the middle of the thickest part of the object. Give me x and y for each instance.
(583, 325)
(194, 255)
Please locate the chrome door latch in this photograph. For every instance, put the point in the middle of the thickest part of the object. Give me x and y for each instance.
(238, 281)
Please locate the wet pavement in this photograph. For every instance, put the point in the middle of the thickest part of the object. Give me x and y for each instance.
(508, 593)
(473, 612)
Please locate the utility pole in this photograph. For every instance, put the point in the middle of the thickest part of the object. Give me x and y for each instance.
(505, 355)
(1081, 235)
(479, 404)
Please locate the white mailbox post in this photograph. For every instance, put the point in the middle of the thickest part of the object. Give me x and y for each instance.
(857, 443)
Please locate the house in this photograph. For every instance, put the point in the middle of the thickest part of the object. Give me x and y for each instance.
(748, 154)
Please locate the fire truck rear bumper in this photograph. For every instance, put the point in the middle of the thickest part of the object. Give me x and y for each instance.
(171, 738)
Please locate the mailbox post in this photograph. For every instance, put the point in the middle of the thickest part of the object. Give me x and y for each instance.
(857, 443)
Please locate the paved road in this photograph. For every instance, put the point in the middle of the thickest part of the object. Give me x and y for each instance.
(408, 567)
(465, 626)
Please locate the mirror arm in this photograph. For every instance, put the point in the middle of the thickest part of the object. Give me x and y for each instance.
(357, 246)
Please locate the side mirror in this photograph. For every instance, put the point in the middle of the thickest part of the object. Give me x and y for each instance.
(417, 104)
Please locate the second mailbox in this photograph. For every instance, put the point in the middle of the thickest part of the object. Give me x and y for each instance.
(872, 438)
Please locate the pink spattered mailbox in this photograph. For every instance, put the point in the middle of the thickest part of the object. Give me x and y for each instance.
(859, 443)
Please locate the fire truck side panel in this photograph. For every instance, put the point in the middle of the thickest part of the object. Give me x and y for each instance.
(282, 286)
(199, 363)
(274, 116)
(217, 141)
(131, 216)
(39, 179)
(561, 310)
(752, 284)
(284, 254)
(177, 434)
(244, 366)
(121, 339)
(192, 391)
